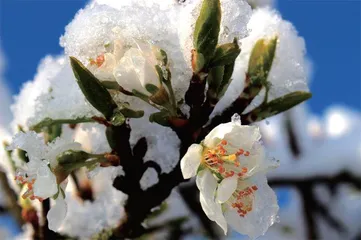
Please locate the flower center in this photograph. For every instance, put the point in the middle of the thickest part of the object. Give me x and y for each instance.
(242, 200)
(98, 61)
(224, 160)
(24, 179)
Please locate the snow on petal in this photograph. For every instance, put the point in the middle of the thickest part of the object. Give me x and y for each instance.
(191, 161)
(30, 142)
(226, 188)
(102, 22)
(57, 214)
(45, 184)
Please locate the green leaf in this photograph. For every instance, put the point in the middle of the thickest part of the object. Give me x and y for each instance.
(161, 56)
(225, 54)
(207, 28)
(130, 113)
(198, 61)
(113, 85)
(214, 79)
(228, 71)
(71, 156)
(93, 90)
(117, 119)
(160, 97)
(277, 106)
(260, 62)
(111, 135)
(162, 118)
(54, 131)
(151, 88)
(48, 122)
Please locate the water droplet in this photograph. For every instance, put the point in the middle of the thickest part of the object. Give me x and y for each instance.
(236, 119)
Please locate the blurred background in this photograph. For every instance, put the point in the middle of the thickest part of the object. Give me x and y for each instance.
(329, 206)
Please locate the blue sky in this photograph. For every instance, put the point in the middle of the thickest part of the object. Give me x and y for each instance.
(30, 29)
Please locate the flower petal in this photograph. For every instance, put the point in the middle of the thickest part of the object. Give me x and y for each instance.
(207, 184)
(191, 161)
(213, 211)
(264, 210)
(226, 188)
(57, 214)
(31, 143)
(217, 134)
(125, 73)
(243, 136)
(45, 184)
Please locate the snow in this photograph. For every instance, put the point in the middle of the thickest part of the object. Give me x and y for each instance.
(24, 105)
(51, 94)
(290, 69)
(87, 218)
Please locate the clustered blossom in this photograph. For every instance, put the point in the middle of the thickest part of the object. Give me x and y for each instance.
(230, 165)
(40, 175)
(120, 42)
(132, 67)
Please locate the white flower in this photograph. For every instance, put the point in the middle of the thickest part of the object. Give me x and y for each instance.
(131, 66)
(103, 65)
(57, 214)
(231, 165)
(38, 174)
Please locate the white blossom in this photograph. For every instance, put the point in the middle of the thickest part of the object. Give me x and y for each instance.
(231, 164)
(39, 174)
(131, 66)
(57, 214)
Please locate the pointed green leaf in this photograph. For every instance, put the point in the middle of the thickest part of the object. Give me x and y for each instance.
(130, 113)
(198, 61)
(161, 56)
(277, 106)
(214, 79)
(113, 85)
(228, 71)
(53, 132)
(207, 28)
(225, 54)
(117, 119)
(160, 97)
(260, 62)
(160, 117)
(151, 88)
(93, 90)
(48, 122)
